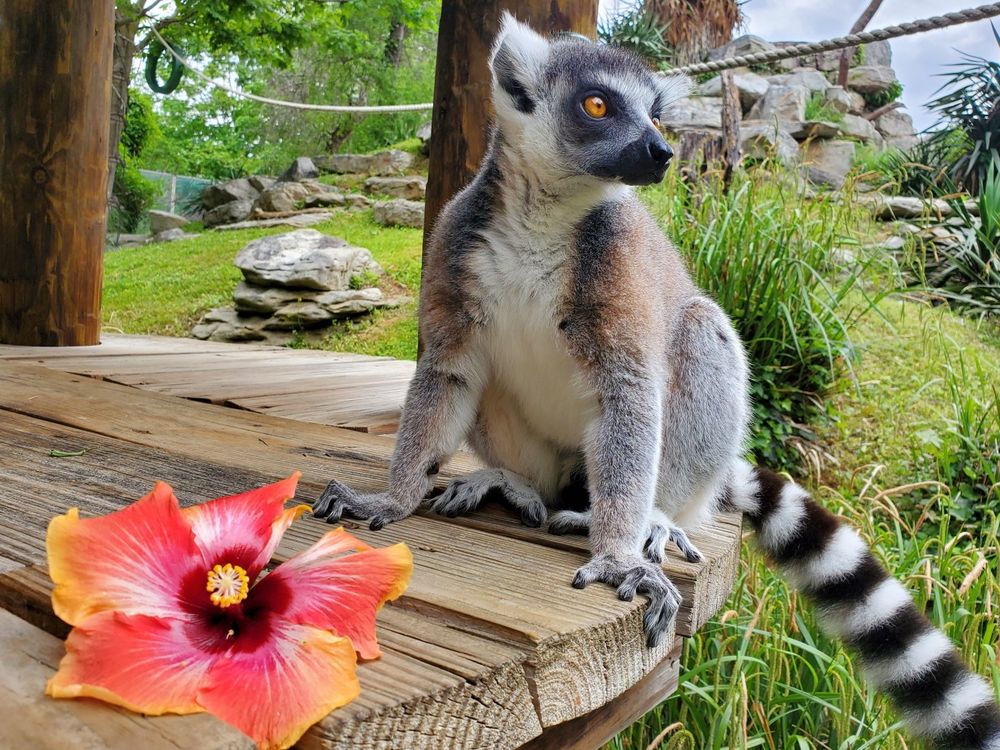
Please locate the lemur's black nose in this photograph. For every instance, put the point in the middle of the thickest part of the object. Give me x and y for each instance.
(660, 152)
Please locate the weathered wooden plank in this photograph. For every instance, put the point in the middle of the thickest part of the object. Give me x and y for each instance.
(33, 720)
(594, 729)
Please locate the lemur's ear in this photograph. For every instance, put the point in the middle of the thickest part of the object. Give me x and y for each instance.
(518, 60)
(672, 88)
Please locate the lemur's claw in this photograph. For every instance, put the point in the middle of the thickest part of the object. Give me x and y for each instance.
(330, 504)
(634, 575)
(468, 493)
(339, 501)
(691, 553)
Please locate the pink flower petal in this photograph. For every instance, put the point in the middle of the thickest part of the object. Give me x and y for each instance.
(328, 589)
(131, 560)
(286, 683)
(244, 529)
(143, 663)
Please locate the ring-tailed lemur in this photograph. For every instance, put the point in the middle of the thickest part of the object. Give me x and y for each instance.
(566, 342)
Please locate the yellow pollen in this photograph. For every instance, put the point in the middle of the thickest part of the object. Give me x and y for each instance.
(229, 584)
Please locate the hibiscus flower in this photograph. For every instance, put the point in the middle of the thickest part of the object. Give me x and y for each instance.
(172, 615)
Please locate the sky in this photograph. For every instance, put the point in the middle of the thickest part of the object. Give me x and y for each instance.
(916, 59)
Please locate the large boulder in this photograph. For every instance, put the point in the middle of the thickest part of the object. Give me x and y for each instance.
(750, 86)
(828, 162)
(291, 306)
(897, 128)
(383, 163)
(301, 169)
(225, 324)
(304, 259)
(228, 213)
(747, 44)
(412, 188)
(163, 221)
(227, 192)
(260, 183)
(784, 103)
(282, 197)
(878, 54)
(803, 131)
(807, 78)
(871, 79)
(892, 207)
(400, 213)
(765, 140)
(861, 129)
(694, 113)
(840, 99)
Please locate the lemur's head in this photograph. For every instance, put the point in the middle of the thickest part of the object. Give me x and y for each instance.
(574, 107)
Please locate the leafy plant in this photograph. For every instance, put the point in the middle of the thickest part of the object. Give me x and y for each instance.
(132, 194)
(971, 104)
(881, 98)
(817, 109)
(364, 280)
(635, 28)
(762, 253)
(922, 170)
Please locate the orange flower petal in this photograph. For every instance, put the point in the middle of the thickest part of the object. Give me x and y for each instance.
(130, 560)
(244, 529)
(292, 680)
(328, 589)
(146, 664)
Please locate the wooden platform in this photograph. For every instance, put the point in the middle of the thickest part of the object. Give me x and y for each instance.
(489, 648)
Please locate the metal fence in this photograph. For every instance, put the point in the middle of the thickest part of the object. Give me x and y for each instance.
(178, 194)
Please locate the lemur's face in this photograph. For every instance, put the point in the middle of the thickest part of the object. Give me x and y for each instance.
(579, 108)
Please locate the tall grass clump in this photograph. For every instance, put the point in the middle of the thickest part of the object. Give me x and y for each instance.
(764, 254)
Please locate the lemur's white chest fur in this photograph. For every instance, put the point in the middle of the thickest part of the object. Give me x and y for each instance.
(523, 274)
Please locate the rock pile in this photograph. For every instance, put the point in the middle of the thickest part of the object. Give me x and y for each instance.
(794, 110)
(298, 280)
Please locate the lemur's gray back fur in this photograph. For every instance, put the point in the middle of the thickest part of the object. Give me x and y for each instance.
(566, 342)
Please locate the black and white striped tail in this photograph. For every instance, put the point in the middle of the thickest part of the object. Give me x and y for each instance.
(940, 700)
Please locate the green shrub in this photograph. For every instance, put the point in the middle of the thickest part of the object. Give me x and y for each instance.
(635, 28)
(762, 252)
(132, 194)
(922, 171)
(881, 98)
(364, 280)
(816, 109)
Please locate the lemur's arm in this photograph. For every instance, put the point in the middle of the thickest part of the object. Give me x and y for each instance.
(440, 407)
(623, 456)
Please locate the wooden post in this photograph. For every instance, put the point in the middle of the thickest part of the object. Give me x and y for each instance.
(55, 78)
(732, 113)
(462, 110)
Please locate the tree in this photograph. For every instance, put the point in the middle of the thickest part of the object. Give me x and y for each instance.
(693, 27)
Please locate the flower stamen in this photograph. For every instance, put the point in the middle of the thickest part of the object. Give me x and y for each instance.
(228, 584)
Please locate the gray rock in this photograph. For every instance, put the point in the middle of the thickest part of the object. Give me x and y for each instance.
(411, 188)
(304, 259)
(294, 220)
(694, 113)
(357, 201)
(301, 169)
(172, 235)
(811, 80)
(399, 212)
(228, 213)
(424, 134)
(891, 207)
(878, 54)
(745, 45)
(161, 221)
(282, 197)
(853, 126)
(261, 300)
(828, 162)
(227, 192)
(871, 79)
(750, 86)
(838, 98)
(225, 324)
(383, 163)
(897, 127)
(765, 140)
(354, 301)
(802, 131)
(325, 200)
(786, 103)
(891, 244)
(321, 309)
(305, 314)
(259, 183)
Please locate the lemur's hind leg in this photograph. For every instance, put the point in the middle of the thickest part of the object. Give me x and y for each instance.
(467, 493)
(661, 531)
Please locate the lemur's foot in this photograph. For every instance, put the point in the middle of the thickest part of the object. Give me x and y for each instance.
(662, 530)
(340, 501)
(570, 522)
(467, 493)
(633, 575)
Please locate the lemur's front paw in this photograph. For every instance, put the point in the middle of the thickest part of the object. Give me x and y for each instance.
(340, 501)
(633, 575)
(465, 494)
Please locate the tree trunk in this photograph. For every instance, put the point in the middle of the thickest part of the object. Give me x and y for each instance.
(55, 80)
(858, 27)
(694, 27)
(126, 28)
(395, 45)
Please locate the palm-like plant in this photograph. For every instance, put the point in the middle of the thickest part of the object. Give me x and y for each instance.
(971, 104)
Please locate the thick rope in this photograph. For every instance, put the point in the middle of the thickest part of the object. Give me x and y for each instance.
(809, 48)
(843, 42)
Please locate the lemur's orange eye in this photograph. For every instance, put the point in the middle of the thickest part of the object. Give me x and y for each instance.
(595, 106)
